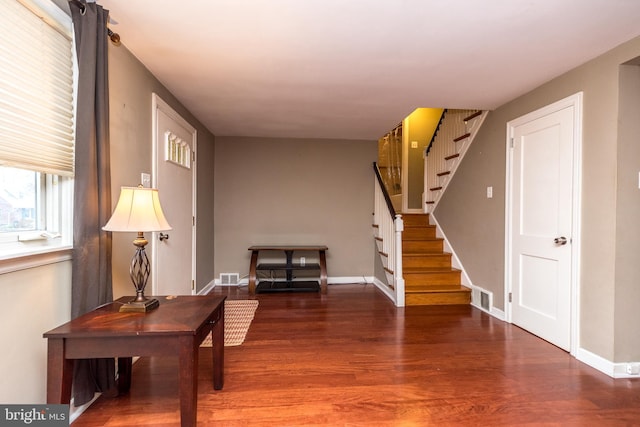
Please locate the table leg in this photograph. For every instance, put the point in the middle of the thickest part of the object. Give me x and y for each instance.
(124, 374)
(289, 263)
(323, 272)
(59, 372)
(252, 272)
(188, 379)
(217, 348)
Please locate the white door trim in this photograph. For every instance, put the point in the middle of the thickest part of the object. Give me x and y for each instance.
(404, 183)
(574, 101)
(158, 103)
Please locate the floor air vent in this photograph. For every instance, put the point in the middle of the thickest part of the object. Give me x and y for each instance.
(482, 299)
(485, 301)
(229, 278)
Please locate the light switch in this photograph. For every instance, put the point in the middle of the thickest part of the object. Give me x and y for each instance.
(489, 192)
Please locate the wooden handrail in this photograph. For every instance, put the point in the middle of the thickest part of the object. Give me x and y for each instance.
(433, 138)
(387, 198)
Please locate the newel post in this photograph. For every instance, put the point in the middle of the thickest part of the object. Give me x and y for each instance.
(397, 268)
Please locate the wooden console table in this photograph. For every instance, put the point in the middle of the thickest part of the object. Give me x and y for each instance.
(176, 328)
(288, 285)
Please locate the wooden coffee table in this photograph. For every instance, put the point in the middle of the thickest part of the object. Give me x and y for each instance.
(176, 328)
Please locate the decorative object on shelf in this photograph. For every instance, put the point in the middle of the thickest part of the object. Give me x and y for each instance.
(138, 210)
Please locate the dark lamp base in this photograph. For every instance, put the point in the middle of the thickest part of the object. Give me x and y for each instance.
(140, 306)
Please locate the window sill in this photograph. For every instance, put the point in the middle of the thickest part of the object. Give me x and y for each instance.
(33, 260)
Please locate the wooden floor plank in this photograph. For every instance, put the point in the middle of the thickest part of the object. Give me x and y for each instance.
(351, 358)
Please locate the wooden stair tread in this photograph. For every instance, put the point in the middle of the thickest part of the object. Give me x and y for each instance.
(424, 239)
(460, 296)
(453, 156)
(418, 227)
(461, 137)
(472, 116)
(419, 288)
(414, 270)
(460, 288)
(414, 239)
(428, 260)
(427, 253)
(427, 271)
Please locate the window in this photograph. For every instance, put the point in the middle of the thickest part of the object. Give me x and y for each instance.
(37, 85)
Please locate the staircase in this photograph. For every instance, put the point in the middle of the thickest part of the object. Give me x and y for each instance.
(428, 276)
(418, 271)
(455, 133)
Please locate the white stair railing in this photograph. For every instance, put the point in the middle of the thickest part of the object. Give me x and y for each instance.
(455, 134)
(388, 227)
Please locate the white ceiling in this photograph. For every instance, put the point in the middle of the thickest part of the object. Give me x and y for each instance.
(355, 68)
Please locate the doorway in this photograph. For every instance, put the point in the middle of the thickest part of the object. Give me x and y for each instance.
(174, 145)
(543, 213)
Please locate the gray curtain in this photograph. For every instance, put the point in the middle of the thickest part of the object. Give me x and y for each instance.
(91, 270)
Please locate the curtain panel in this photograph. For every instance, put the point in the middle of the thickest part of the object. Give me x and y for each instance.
(91, 270)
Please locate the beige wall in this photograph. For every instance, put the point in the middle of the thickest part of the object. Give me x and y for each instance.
(294, 191)
(627, 279)
(38, 299)
(131, 87)
(609, 271)
(419, 126)
(32, 301)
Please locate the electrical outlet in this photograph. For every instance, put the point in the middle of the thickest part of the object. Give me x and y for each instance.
(303, 261)
(633, 368)
(145, 180)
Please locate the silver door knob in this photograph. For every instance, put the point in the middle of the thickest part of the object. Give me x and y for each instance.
(560, 241)
(163, 237)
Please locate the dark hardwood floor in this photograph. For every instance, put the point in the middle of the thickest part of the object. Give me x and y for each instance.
(350, 358)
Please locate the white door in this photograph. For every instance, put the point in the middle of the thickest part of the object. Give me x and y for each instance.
(542, 203)
(173, 176)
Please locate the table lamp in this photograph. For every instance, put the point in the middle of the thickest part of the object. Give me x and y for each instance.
(138, 210)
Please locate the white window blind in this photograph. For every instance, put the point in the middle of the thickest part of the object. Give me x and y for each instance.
(36, 87)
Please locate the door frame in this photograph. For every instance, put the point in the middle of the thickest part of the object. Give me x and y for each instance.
(157, 104)
(574, 101)
(404, 182)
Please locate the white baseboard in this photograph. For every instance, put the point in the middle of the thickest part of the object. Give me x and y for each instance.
(76, 411)
(498, 314)
(612, 369)
(330, 280)
(384, 288)
(349, 280)
(208, 288)
(466, 280)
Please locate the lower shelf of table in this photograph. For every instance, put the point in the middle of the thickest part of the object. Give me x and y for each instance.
(266, 286)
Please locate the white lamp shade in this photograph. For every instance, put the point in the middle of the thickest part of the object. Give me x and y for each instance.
(138, 209)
